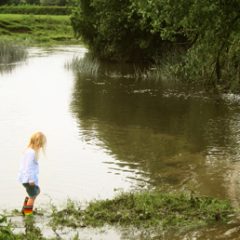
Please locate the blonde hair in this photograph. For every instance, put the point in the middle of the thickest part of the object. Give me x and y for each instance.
(37, 141)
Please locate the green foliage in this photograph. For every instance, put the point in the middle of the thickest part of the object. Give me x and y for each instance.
(3, 2)
(33, 1)
(206, 33)
(35, 9)
(163, 210)
(145, 209)
(31, 231)
(5, 229)
(211, 27)
(113, 30)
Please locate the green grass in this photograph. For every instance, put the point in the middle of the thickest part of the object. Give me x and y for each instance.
(36, 29)
(146, 209)
(178, 211)
(31, 231)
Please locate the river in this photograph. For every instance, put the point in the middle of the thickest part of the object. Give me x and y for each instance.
(113, 134)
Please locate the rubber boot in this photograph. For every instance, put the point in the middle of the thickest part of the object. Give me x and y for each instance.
(24, 204)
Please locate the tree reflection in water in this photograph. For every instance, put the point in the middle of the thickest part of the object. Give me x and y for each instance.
(165, 133)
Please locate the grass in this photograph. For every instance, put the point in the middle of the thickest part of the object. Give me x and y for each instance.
(86, 65)
(141, 210)
(31, 231)
(145, 209)
(36, 29)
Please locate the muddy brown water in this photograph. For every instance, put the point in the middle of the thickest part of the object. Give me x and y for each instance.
(110, 134)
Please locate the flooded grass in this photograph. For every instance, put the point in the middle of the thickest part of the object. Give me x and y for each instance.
(140, 210)
(86, 65)
(10, 52)
(91, 66)
(145, 209)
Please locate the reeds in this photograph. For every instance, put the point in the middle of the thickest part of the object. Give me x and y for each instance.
(87, 65)
(162, 70)
(11, 53)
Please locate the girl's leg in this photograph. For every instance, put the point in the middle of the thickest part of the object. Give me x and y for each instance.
(30, 201)
(24, 204)
(28, 209)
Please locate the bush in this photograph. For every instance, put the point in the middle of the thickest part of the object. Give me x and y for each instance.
(113, 31)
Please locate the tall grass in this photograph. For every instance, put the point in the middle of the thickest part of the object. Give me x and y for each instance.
(87, 65)
(10, 52)
(162, 70)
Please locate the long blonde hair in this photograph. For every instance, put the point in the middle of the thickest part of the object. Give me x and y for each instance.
(37, 141)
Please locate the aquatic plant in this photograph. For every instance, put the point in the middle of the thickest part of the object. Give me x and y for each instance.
(86, 65)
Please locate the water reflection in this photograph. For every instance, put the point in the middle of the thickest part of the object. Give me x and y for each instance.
(7, 68)
(167, 135)
(10, 55)
(140, 132)
(125, 133)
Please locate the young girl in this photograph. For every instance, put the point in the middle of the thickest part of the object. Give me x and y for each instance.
(29, 169)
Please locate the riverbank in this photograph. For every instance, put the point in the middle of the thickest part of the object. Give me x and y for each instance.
(37, 30)
(181, 211)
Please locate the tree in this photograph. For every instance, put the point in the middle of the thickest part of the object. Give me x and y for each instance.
(211, 26)
(113, 30)
(4, 2)
(36, 2)
(51, 2)
(207, 32)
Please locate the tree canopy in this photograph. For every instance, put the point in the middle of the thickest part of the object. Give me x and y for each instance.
(206, 31)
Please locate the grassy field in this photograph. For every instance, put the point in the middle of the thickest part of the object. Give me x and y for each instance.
(36, 29)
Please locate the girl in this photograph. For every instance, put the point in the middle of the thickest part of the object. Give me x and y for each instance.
(29, 169)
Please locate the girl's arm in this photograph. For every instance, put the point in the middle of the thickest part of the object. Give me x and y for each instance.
(30, 160)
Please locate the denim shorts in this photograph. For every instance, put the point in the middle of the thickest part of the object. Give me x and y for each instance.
(32, 191)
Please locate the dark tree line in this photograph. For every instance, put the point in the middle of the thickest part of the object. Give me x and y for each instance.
(205, 32)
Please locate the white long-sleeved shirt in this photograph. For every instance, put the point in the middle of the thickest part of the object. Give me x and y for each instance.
(29, 168)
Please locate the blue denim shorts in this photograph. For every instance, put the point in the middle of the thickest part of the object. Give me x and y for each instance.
(32, 191)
